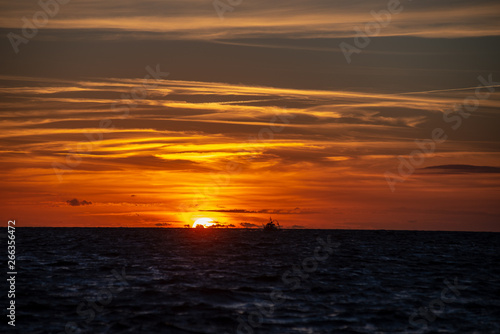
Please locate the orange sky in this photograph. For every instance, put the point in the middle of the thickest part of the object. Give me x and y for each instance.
(251, 120)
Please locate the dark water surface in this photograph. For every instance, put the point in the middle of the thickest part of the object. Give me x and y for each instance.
(244, 281)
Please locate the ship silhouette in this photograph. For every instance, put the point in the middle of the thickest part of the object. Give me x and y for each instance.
(273, 225)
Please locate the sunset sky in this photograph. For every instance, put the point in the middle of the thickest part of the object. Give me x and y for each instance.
(260, 114)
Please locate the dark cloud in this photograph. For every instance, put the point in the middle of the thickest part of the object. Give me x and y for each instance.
(460, 169)
(296, 227)
(217, 225)
(249, 225)
(158, 221)
(269, 211)
(75, 202)
(163, 224)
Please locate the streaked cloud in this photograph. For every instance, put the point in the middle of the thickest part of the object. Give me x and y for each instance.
(196, 19)
(460, 169)
(328, 156)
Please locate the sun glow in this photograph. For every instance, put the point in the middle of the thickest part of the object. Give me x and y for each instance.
(205, 222)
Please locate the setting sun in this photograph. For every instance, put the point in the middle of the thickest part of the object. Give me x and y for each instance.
(205, 222)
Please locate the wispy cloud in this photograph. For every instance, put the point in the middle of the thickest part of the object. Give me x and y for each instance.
(177, 143)
(197, 19)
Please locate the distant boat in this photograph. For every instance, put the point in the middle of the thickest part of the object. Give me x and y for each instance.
(273, 225)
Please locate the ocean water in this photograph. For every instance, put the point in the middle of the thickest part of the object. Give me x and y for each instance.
(90, 280)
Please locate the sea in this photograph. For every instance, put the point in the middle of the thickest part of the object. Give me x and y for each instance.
(225, 281)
